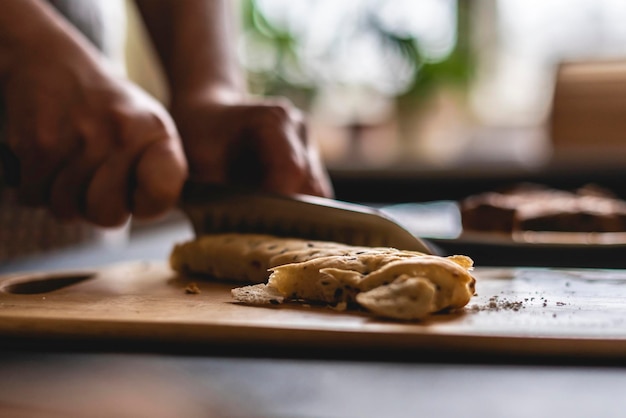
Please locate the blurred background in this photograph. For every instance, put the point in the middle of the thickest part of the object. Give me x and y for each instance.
(436, 89)
(430, 100)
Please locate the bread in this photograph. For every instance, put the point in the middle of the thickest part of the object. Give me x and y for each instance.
(398, 286)
(388, 282)
(248, 257)
(258, 294)
(406, 298)
(332, 279)
(239, 257)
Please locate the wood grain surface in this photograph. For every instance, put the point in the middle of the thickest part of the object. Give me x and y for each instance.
(531, 311)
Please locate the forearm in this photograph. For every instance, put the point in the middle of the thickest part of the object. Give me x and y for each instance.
(196, 43)
(15, 35)
(32, 29)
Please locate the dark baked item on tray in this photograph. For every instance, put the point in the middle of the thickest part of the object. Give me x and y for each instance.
(533, 207)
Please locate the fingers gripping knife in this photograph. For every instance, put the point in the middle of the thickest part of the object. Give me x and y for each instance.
(214, 208)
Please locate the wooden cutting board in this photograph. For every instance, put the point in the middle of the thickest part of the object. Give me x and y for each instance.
(521, 311)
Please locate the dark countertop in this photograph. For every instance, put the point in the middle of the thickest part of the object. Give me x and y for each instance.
(49, 379)
(413, 186)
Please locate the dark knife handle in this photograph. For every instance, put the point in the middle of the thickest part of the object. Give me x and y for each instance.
(9, 167)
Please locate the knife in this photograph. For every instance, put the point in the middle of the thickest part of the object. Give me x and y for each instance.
(218, 208)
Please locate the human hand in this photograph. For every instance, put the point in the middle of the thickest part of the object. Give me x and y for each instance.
(90, 145)
(261, 144)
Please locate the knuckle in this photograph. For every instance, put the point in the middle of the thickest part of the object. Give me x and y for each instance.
(123, 119)
(149, 127)
(157, 120)
(140, 125)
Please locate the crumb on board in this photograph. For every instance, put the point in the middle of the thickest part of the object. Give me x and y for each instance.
(496, 303)
(341, 306)
(192, 289)
(499, 303)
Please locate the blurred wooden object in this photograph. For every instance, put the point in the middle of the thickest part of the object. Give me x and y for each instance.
(146, 302)
(588, 117)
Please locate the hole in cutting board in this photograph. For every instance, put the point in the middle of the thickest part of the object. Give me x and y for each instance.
(45, 284)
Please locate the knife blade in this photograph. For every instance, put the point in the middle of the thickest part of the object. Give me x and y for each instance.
(218, 208)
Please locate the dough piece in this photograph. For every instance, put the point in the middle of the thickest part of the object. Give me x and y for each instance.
(248, 257)
(386, 281)
(378, 282)
(462, 260)
(332, 279)
(258, 294)
(239, 257)
(455, 286)
(300, 255)
(406, 298)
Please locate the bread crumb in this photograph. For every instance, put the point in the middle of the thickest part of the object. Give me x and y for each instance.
(498, 304)
(258, 294)
(192, 289)
(341, 306)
